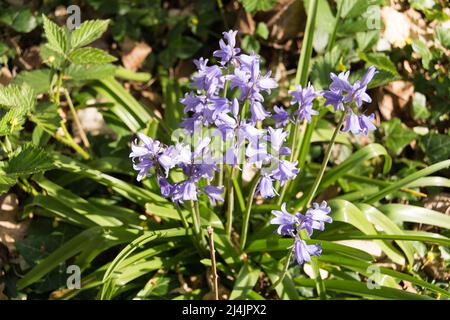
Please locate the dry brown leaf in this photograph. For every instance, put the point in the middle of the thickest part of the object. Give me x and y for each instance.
(394, 98)
(286, 22)
(5, 76)
(134, 54)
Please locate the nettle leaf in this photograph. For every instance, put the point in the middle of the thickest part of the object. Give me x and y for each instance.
(90, 56)
(379, 60)
(27, 160)
(436, 146)
(87, 32)
(6, 182)
(397, 136)
(258, 5)
(51, 58)
(19, 101)
(56, 35)
(39, 80)
(46, 117)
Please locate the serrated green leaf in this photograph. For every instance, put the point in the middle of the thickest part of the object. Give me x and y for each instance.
(18, 100)
(379, 60)
(56, 35)
(28, 160)
(47, 118)
(51, 58)
(90, 56)
(87, 32)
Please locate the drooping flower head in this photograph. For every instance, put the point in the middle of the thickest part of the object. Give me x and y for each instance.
(291, 225)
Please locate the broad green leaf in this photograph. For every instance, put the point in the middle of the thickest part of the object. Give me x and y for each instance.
(396, 135)
(378, 219)
(407, 213)
(77, 72)
(419, 106)
(56, 36)
(363, 268)
(407, 180)
(435, 146)
(357, 159)
(253, 6)
(90, 56)
(20, 19)
(245, 282)
(443, 35)
(347, 212)
(19, 101)
(6, 182)
(275, 243)
(362, 290)
(87, 32)
(422, 50)
(262, 30)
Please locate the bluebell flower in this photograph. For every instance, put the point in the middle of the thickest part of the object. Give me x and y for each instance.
(316, 217)
(214, 194)
(291, 225)
(281, 117)
(265, 188)
(227, 52)
(287, 223)
(303, 251)
(366, 123)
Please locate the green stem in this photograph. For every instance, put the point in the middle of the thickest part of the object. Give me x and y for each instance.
(301, 76)
(230, 202)
(285, 269)
(69, 141)
(246, 218)
(326, 158)
(58, 88)
(76, 119)
(333, 35)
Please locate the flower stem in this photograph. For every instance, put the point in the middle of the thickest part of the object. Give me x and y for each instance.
(333, 35)
(67, 139)
(285, 269)
(230, 202)
(76, 119)
(326, 158)
(58, 87)
(212, 251)
(246, 218)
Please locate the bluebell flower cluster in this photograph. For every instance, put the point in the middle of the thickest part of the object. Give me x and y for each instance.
(291, 225)
(228, 97)
(208, 106)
